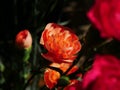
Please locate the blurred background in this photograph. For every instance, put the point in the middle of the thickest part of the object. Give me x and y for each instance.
(21, 14)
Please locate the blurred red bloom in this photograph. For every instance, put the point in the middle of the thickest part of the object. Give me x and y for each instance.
(23, 39)
(105, 15)
(51, 77)
(61, 43)
(104, 74)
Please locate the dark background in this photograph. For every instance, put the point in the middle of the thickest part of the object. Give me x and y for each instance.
(16, 15)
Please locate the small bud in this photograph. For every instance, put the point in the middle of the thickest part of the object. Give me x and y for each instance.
(23, 39)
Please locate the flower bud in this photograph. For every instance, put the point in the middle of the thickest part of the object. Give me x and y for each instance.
(23, 39)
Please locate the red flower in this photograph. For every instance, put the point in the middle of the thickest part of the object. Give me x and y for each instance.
(23, 39)
(105, 15)
(104, 74)
(51, 77)
(61, 43)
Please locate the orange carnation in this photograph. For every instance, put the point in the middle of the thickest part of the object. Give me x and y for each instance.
(51, 77)
(61, 43)
(23, 39)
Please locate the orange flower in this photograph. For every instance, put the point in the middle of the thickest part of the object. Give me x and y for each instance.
(61, 43)
(51, 76)
(23, 39)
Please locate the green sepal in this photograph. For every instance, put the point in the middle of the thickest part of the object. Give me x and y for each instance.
(63, 81)
(2, 67)
(27, 54)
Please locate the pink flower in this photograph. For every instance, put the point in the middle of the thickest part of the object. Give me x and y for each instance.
(104, 74)
(61, 43)
(105, 15)
(23, 39)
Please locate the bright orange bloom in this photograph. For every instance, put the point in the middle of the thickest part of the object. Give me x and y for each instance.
(51, 76)
(61, 43)
(23, 39)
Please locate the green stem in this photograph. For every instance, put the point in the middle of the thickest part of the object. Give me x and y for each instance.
(102, 44)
